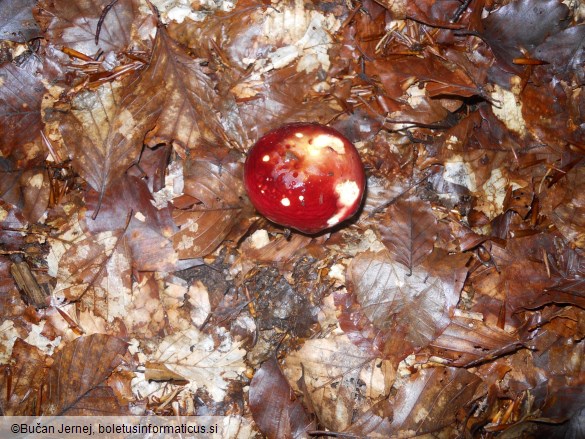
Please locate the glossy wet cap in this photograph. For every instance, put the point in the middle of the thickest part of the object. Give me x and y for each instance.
(305, 176)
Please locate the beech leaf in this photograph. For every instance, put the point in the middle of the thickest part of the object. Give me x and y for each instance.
(217, 184)
(16, 21)
(522, 24)
(408, 230)
(274, 407)
(428, 401)
(410, 307)
(104, 131)
(76, 381)
(73, 23)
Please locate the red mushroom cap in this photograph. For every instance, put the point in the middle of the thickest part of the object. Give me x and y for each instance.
(305, 176)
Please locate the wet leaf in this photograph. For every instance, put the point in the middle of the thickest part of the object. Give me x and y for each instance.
(409, 307)
(565, 51)
(274, 407)
(74, 24)
(522, 25)
(17, 22)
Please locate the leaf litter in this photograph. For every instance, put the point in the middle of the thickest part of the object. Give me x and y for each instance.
(452, 305)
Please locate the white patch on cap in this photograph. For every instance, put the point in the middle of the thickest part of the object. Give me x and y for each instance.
(299, 135)
(326, 141)
(266, 158)
(285, 202)
(348, 193)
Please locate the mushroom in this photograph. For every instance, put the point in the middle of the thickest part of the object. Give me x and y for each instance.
(305, 176)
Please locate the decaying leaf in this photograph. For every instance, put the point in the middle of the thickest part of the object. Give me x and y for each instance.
(338, 379)
(194, 356)
(74, 24)
(105, 129)
(76, 381)
(274, 407)
(410, 308)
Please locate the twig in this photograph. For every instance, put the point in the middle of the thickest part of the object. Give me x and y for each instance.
(101, 20)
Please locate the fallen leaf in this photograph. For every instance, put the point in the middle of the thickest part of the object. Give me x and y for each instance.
(75, 383)
(74, 24)
(105, 129)
(274, 407)
(408, 230)
(194, 356)
(17, 22)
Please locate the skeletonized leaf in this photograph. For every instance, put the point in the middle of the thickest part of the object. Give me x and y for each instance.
(408, 231)
(274, 408)
(73, 23)
(104, 131)
(76, 381)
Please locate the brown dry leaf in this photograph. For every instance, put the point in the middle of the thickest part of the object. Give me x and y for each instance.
(190, 114)
(105, 129)
(468, 340)
(408, 229)
(20, 380)
(275, 409)
(73, 23)
(410, 308)
(429, 401)
(21, 92)
(338, 379)
(76, 382)
(217, 184)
